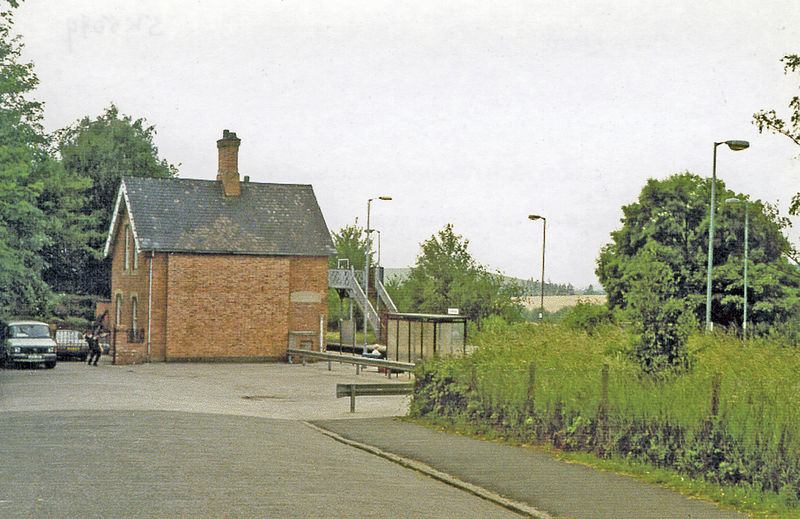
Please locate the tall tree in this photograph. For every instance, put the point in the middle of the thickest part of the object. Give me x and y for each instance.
(100, 151)
(23, 226)
(446, 275)
(670, 222)
(351, 244)
(768, 120)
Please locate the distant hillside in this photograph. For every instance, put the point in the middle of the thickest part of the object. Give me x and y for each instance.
(555, 303)
(530, 287)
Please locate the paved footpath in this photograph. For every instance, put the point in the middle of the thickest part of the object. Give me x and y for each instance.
(526, 476)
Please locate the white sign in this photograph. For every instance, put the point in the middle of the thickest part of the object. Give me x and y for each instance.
(452, 311)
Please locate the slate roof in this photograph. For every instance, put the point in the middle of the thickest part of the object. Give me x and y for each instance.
(186, 215)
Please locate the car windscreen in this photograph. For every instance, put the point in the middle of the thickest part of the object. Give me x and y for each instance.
(33, 331)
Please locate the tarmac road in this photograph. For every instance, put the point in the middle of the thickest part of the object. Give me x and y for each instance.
(200, 440)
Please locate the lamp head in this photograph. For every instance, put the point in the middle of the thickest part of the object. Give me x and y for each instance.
(733, 201)
(737, 145)
(535, 217)
(384, 198)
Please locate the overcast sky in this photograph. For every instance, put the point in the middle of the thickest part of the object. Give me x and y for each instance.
(471, 113)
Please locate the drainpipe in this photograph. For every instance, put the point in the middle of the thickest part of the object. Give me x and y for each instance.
(149, 303)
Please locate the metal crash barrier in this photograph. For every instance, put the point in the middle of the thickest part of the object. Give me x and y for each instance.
(354, 390)
(389, 365)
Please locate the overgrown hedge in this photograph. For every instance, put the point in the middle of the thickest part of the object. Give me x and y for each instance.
(732, 417)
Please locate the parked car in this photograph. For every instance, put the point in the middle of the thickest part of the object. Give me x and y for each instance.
(71, 344)
(27, 342)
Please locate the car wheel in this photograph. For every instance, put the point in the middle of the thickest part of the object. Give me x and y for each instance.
(50, 365)
(83, 358)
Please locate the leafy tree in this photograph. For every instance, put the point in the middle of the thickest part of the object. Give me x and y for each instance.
(23, 154)
(587, 317)
(661, 317)
(768, 120)
(98, 151)
(351, 244)
(446, 275)
(670, 221)
(532, 287)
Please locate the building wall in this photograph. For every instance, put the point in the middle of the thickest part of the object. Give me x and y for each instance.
(308, 297)
(214, 307)
(241, 308)
(128, 284)
(158, 317)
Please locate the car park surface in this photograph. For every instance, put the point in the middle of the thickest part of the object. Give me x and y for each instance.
(201, 440)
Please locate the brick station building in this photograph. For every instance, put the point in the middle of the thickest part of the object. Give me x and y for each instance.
(225, 270)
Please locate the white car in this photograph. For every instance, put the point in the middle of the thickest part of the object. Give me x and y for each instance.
(27, 342)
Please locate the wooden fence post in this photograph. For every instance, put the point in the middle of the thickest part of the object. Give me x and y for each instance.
(602, 410)
(531, 388)
(716, 381)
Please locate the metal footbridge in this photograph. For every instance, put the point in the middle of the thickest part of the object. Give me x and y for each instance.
(351, 282)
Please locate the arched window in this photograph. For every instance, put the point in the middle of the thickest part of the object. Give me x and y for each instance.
(127, 247)
(134, 306)
(118, 314)
(133, 252)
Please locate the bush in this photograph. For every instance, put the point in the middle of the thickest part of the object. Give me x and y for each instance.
(74, 306)
(587, 317)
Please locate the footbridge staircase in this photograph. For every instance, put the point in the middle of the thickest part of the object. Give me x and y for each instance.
(351, 283)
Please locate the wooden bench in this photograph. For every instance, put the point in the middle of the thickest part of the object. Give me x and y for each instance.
(354, 390)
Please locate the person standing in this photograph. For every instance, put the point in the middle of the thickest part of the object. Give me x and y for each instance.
(94, 348)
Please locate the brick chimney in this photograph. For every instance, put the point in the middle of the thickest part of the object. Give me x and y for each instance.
(228, 171)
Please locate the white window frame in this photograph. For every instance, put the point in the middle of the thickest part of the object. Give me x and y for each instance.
(118, 313)
(134, 308)
(127, 246)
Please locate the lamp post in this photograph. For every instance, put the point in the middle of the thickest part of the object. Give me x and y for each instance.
(544, 234)
(735, 146)
(746, 228)
(366, 267)
(378, 265)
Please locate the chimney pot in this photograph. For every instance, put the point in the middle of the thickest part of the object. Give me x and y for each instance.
(228, 171)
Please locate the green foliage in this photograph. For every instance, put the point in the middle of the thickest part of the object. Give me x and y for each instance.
(73, 311)
(734, 418)
(661, 319)
(533, 287)
(398, 291)
(23, 155)
(587, 317)
(768, 120)
(95, 153)
(446, 275)
(670, 223)
(351, 244)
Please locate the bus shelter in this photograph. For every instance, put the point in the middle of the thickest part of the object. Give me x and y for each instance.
(411, 337)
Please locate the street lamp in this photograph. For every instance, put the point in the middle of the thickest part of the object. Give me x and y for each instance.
(366, 267)
(544, 233)
(735, 146)
(378, 265)
(746, 227)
